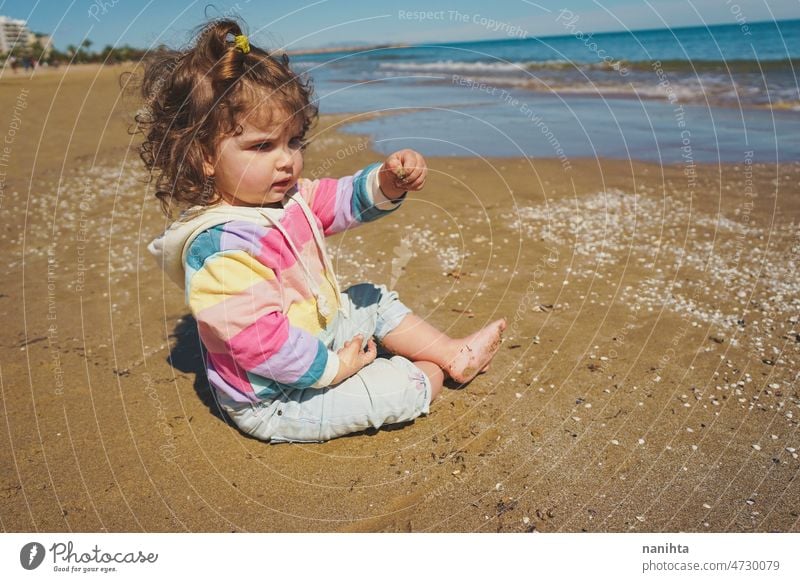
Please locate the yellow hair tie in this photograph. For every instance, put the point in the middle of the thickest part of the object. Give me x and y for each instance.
(241, 43)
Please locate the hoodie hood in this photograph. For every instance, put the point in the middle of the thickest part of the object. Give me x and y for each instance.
(169, 249)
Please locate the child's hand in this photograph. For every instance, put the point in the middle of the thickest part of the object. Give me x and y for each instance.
(352, 357)
(402, 171)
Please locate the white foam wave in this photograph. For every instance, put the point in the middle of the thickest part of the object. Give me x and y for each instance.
(456, 66)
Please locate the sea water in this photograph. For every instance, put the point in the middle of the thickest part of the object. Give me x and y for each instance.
(716, 92)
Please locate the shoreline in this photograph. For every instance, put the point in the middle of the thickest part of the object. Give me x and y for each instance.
(328, 120)
(7, 77)
(612, 93)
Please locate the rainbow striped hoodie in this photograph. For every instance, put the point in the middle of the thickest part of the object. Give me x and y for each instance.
(261, 285)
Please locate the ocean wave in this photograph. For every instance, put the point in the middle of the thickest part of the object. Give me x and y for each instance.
(309, 64)
(697, 90)
(481, 66)
(670, 65)
(684, 94)
(716, 66)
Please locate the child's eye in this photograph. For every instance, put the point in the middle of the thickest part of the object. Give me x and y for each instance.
(298, 142)
(261, 146)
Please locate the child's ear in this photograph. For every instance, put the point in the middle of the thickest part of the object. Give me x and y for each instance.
(208, 167)
(207, 151)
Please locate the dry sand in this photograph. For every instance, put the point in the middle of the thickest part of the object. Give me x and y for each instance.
(648, 381)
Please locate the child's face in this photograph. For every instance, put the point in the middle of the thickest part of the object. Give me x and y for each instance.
(262, 163)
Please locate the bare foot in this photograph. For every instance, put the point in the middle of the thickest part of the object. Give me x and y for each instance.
(475, 352)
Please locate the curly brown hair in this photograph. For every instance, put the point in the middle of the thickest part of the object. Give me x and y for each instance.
(194, 97)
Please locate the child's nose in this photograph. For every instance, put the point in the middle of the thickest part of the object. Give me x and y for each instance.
(285, 160)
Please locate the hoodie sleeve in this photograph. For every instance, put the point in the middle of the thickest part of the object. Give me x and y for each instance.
(350, 201)
(236, 300)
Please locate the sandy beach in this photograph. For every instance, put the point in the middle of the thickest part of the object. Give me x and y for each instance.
(648, 380)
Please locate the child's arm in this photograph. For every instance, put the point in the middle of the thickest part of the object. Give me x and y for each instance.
(371, 193)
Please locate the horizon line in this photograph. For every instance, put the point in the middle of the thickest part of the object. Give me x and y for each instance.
(603, 32)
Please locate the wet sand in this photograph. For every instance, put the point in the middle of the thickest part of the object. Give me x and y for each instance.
(648, 381)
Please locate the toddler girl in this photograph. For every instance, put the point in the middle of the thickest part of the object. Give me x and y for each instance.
(290, 356)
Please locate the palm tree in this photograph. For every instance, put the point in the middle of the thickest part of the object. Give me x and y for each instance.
(83, 55)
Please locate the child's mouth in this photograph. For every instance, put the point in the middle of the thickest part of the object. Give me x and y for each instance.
(282, 183)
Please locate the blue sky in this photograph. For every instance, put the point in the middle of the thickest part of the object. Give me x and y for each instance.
(316, 23)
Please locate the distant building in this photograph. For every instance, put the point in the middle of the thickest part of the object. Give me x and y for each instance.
(13, 32)
(16, 33)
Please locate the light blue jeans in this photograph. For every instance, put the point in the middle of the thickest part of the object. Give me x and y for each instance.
(389, 390)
